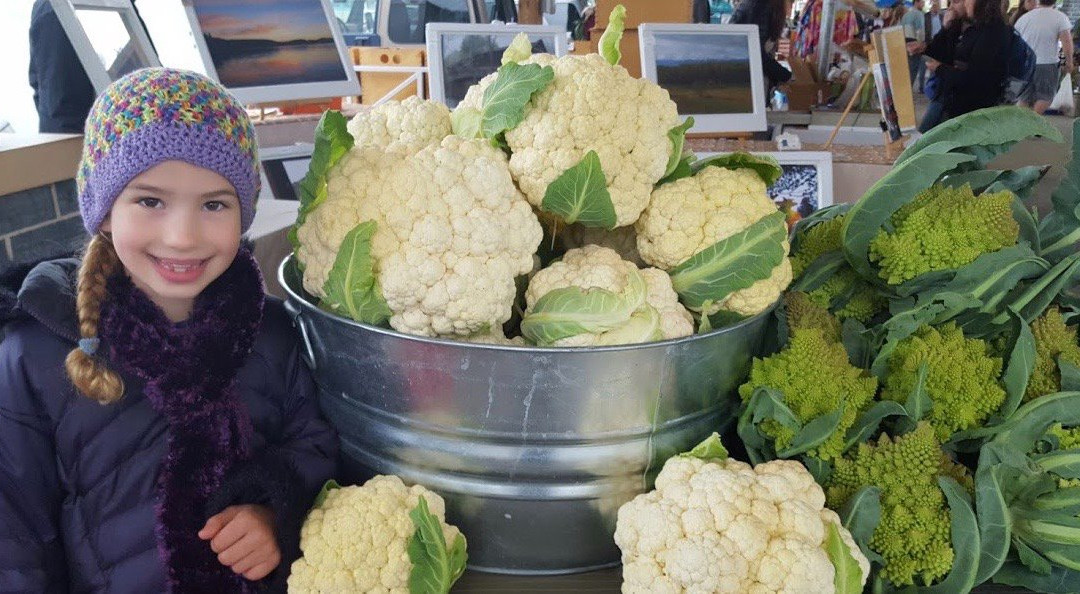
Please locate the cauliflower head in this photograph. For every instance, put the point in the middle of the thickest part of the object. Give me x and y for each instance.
(401, 126)
(691, 214)
(944, 228)
(913, 535)
(452, 233)
(645, 297)
(961, 377)
(357, 540)
(724, 526)
(1053, 340)
(590, 105)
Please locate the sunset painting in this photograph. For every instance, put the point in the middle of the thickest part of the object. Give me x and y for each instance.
(256, 43)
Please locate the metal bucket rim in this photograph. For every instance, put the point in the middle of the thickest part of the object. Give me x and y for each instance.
(299, 296)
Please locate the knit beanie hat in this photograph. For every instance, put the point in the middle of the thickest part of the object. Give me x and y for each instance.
(160, 114)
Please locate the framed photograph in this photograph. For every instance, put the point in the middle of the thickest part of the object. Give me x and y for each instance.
(807, 182)
(459, 55)
(273, 50)
(107, 36)
(891, 48)
(285, 167)
(885, 99)
(713, 73)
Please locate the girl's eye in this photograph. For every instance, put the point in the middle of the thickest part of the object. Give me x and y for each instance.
(149, 202)
(215, 206)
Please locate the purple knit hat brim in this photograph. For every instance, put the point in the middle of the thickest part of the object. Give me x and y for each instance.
(152, 144)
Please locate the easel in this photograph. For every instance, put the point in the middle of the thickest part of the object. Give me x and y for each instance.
(893, 148)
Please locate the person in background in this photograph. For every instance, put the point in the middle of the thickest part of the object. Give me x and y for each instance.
(942, 44)
(1043, 28)
(1021, 9)
(769, 16)
(913, 22)
(62, 91)
(701, 12)
(971, 70)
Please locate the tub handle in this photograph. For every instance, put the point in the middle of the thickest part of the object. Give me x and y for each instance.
(297, 318)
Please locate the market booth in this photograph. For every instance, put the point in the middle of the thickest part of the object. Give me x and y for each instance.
(641, 326)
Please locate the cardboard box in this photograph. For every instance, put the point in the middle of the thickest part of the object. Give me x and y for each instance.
(803, 90)
(373, 85)
(645, 11)
(631, 53)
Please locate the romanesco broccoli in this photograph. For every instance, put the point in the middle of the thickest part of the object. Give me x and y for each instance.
(913, 536)
(943, 228)
(815, 377)
(961, 377)
(815, 242)
(846, 294)
(803, 312)
(1053, 340)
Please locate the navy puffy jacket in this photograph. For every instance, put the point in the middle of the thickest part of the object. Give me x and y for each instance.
(77, 478)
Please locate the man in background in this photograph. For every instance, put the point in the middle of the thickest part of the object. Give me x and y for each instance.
(1044, 28)
(62, 91)
(914, 24)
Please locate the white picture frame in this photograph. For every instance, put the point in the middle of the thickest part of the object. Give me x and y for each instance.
(440, 36)
(137, 53)
(792, 185)
(663, 40)
(244, 82)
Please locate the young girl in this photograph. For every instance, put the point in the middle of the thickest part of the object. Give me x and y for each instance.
(158, 431)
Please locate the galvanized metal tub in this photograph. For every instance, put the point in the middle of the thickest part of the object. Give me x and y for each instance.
(533, 449)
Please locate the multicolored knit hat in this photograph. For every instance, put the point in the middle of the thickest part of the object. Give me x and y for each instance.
(160, 114)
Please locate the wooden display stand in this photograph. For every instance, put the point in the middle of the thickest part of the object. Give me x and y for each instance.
(374, 85)
(893, 148)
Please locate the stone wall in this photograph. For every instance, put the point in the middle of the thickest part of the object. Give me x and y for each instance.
(40, 223)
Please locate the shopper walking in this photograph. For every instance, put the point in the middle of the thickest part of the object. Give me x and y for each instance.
(914, 24)
(769, 16)
(970, 62)
(1044, 28)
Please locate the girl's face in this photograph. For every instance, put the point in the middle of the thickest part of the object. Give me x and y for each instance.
(176, 228)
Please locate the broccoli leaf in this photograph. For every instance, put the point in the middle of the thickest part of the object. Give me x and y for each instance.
(505, 100)
(435, 567)
(995, 523)
(1070, 375)
(1058, 581)
(352, 288)
(731, 264)
(966, 544)
(711, 449)
(519, 50)
(764, 403)
(813, 433)
(918, 403)
(570, 311)
(465, 122)
(1060, 229)
(580, 195)
(1025, 219)
(898, 187)
(867, 423)
(609, 41)
(677, 135)
(1018, 365)
(993, 130)
(848, 576)
(765, 166)
(332, 141)
(328, 486)
(860, 514)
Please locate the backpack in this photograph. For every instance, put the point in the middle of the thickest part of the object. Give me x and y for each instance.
(1019, 68)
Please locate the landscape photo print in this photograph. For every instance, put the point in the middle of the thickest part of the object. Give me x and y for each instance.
(705, 73)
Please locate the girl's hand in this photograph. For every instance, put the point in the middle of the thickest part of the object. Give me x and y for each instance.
(243, 538)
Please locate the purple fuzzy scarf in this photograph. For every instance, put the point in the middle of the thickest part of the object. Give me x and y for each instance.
(190, 374)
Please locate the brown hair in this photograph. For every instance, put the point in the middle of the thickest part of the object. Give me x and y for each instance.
(987, 11)
(88, 372)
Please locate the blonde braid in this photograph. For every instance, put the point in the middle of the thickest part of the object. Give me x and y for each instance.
(88, 372)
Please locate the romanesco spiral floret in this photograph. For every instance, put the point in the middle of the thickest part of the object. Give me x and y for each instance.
(860, 301)
(943, 228)
(804, 312)
(913, 536)
(815, 377)
(817, 241)
(961, 377)
(1053, 340)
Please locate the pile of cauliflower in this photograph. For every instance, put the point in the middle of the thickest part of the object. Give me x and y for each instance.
(442, 224)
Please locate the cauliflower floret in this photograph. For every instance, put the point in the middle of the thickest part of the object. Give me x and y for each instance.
(591, 105)
(595, 267)
(724, 526)
(401, 126)
(693, 213)
(452, 233)
(357, 540)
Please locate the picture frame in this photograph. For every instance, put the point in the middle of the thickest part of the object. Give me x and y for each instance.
(285, 167)
(683, 59)
(272, 52)
(807, 180)
(891, 49)
(450, 78)
(107, 36)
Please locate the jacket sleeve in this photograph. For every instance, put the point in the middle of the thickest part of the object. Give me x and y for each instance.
(288, 474)
(31, 548)
(983, 70)
(63, 93)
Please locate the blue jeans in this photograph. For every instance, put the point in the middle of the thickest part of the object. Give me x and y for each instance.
(935, 112)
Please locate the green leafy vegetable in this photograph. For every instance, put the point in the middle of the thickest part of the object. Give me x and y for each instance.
(465, 122)
(435, 566)
(964, 533)
(711, 449)
(505, 100)
(848, 577)
(677, 135)
(609, 41)
(993, 129)
(580, 195)
(332, 141)
(765, 166)
(519, 50)
(328, 486)
(731, 264)
(860, 514)
(1060, 229)
(570, 311)
(352, 288)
